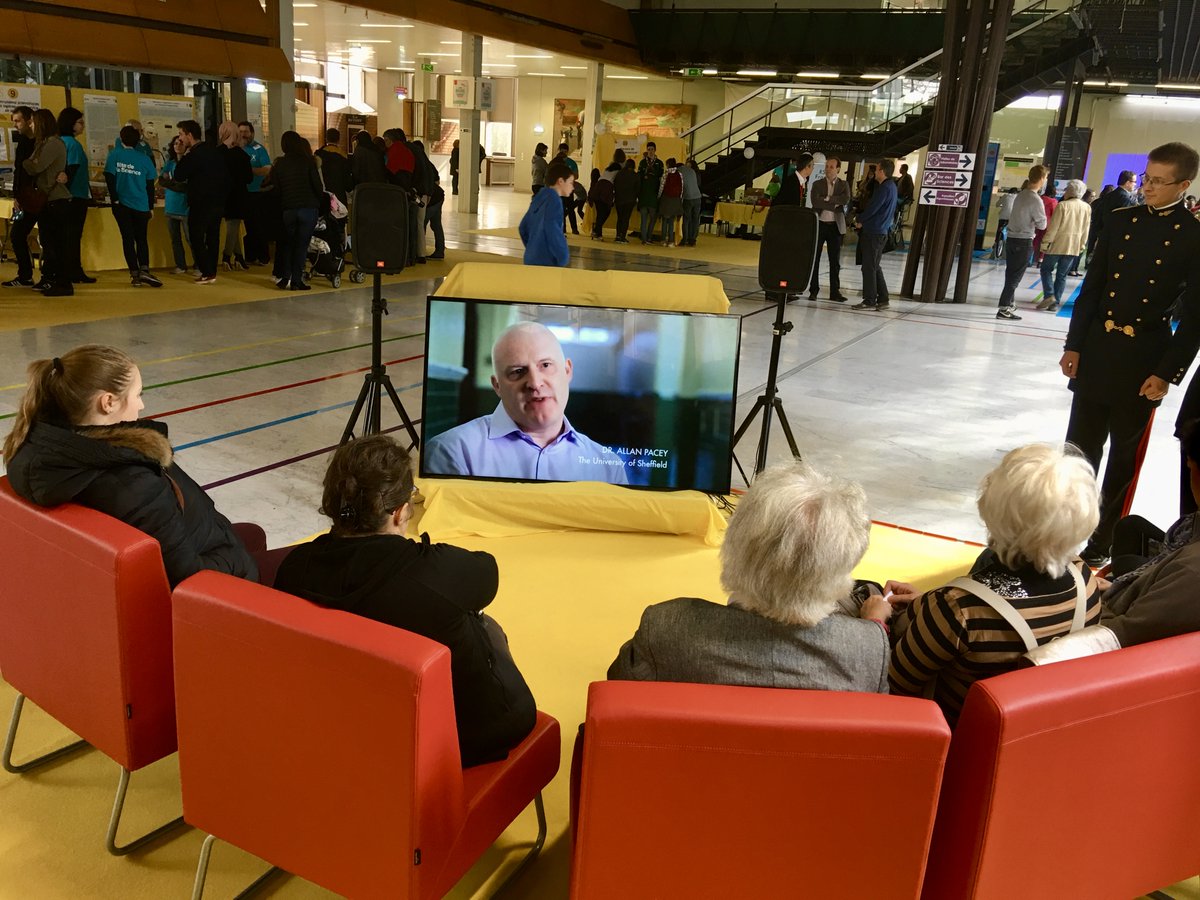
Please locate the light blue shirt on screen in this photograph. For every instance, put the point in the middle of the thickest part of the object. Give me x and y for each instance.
(494, 447)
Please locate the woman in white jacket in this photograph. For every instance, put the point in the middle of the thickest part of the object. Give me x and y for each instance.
(1065, 238)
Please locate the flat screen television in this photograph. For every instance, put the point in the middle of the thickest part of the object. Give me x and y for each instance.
(539, 392)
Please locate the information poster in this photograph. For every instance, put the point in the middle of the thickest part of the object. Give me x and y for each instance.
(12, 96)
(461, 92)
(485, 93)
(159, 117)
(102, 126)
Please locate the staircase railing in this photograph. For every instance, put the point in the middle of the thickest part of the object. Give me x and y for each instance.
(869, 108)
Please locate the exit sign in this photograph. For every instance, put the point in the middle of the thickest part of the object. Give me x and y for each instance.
(426, 67)
(694, 73)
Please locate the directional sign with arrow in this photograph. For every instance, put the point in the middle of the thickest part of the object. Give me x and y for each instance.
(934, 179)
(944, 198)
(959, 162)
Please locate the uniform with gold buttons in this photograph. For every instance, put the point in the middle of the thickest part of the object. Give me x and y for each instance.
(1121, 323)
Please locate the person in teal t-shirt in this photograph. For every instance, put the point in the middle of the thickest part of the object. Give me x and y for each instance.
(75, 177)
(142, 145)
(257, 243)
(130, 176)
(175, 204)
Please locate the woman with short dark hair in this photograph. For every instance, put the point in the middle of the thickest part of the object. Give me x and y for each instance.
(366, 565)
(47, 161)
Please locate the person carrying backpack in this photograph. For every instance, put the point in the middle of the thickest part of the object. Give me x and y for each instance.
(670, 201)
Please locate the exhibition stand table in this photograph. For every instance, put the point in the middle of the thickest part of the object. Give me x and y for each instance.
(749, 214)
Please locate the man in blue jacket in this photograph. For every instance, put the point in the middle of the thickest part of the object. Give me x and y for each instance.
(541, 229)
(873, 226)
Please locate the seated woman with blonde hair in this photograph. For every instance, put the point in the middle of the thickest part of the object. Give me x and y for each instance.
(1029, 587)
(785, 563)
(77, 438)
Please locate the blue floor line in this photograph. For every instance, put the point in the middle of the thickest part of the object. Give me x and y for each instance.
(283, 421)
(1064, 311)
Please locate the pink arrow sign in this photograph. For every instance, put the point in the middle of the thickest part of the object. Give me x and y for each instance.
(930, 197)
(936, 179)
(959, 162)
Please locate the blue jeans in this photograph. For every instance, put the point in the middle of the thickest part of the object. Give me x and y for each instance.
(1055, 267)
(433, 219)
(648, 214)
(177, 228)
(298, 225)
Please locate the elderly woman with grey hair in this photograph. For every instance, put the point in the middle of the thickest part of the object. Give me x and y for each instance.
(785, 563)
(1039, 505)
(1064, 240)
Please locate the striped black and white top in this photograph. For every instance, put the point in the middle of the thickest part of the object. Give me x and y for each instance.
(947, 639)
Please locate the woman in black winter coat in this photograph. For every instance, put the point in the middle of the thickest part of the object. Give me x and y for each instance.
(241, 173)
(367, 163)
(77, 438)
(367, 566)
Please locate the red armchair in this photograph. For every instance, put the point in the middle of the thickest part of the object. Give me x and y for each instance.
(86, 635)
(1076, 779)
(326, 744)
(706, 791)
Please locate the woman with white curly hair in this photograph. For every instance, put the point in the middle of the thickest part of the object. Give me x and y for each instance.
(1065, 238)
(1039, 505)
(785, 563)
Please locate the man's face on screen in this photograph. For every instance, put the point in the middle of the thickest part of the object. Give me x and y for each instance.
(533, 380)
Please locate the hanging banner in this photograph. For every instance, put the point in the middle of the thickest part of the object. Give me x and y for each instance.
(461, 92)
(990, 162)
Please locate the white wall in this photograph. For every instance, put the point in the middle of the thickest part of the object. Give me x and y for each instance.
(1137, 125)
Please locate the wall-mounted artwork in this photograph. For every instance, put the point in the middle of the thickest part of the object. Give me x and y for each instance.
(621, 117)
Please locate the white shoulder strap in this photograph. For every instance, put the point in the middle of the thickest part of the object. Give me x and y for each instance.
(1015, 620)
(1005, 609)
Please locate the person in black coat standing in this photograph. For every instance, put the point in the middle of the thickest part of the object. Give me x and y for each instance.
(237, 200)
(77, 438)
(206, 174)
(1106, 204)
(366, 565)
(1120, 355)
(794, 191)
(301, 196)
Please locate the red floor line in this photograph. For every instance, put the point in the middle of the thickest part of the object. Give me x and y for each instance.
(932, 534)
(175, 412)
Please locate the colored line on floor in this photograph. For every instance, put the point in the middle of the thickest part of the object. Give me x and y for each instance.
(270, 467)
(264, 365)
(233, 348)
(282, 387)
(283, 421)
(932, 534)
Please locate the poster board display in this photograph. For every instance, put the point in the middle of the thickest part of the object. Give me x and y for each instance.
(102, 126)
(159, 116)
(12, 96)
(460, 92)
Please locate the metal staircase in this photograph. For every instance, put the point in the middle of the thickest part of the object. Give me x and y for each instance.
(889, 119)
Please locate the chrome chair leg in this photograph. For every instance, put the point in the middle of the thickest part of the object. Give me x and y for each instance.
(20, 768)
(202, 873)
(115, 821)
(529, 857)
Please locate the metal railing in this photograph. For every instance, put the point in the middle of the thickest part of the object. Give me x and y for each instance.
(871, 108)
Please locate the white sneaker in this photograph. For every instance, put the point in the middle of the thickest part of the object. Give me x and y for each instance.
(178, 271)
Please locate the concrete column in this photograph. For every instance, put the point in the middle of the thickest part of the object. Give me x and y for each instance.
(592, 97)
(470, 135)
(281, 95)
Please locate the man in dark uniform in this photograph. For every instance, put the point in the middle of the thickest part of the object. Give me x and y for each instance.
(1120, 353)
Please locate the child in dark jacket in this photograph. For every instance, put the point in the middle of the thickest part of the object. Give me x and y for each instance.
(541, 228)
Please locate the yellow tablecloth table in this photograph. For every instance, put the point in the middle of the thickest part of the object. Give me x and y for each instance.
(101, 250)
(741, 214)
(579, 287)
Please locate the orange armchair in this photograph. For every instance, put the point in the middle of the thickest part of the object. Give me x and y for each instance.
(1076, 779)
(86, 635)
(325, 743)
(708, 791)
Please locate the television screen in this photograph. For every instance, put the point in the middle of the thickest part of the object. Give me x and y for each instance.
(535, 392)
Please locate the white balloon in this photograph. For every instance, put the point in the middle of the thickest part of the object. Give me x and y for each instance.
(748, 153)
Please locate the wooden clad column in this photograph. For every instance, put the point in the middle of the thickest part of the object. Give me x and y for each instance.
(470, 134)
(281, 95)
(962, 116)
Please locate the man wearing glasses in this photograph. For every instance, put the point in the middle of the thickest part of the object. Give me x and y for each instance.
(1120, 354)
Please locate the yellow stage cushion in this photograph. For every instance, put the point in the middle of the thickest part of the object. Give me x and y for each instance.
(577, 287)
(455, 508)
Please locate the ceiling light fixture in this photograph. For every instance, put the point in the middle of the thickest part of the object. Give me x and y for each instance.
(424, 53)
(299, 24)
(866, 76)
(547, 74)
(395, 69)
(501, 65)
(708, 71)
(762, 73)
(818, 74)
(1178, 87)
(574, 67)
(1095, 84)
(629, 77)
(529, 56)
(376, 25)
(452, 43)
(368, 41)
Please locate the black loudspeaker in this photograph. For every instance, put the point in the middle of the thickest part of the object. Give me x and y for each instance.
(788, 250)
(379, 227)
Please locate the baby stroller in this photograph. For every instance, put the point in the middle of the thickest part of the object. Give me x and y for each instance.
(327, 250)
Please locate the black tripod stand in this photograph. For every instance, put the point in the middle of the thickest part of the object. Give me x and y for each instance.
(768, 403)
(377, 381)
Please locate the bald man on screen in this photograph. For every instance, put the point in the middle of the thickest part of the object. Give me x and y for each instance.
(528, 436)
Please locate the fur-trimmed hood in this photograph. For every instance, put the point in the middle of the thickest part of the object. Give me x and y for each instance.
(57, 463)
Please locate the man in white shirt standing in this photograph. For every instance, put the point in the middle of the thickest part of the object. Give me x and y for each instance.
(830, 196)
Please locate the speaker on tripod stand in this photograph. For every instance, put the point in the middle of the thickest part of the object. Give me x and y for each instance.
(379, 226)
(786, 258)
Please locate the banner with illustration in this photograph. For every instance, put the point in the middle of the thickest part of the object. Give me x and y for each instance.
(652, 120)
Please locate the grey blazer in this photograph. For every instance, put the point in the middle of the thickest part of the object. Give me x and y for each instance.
(696, 641)
(837, 203)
